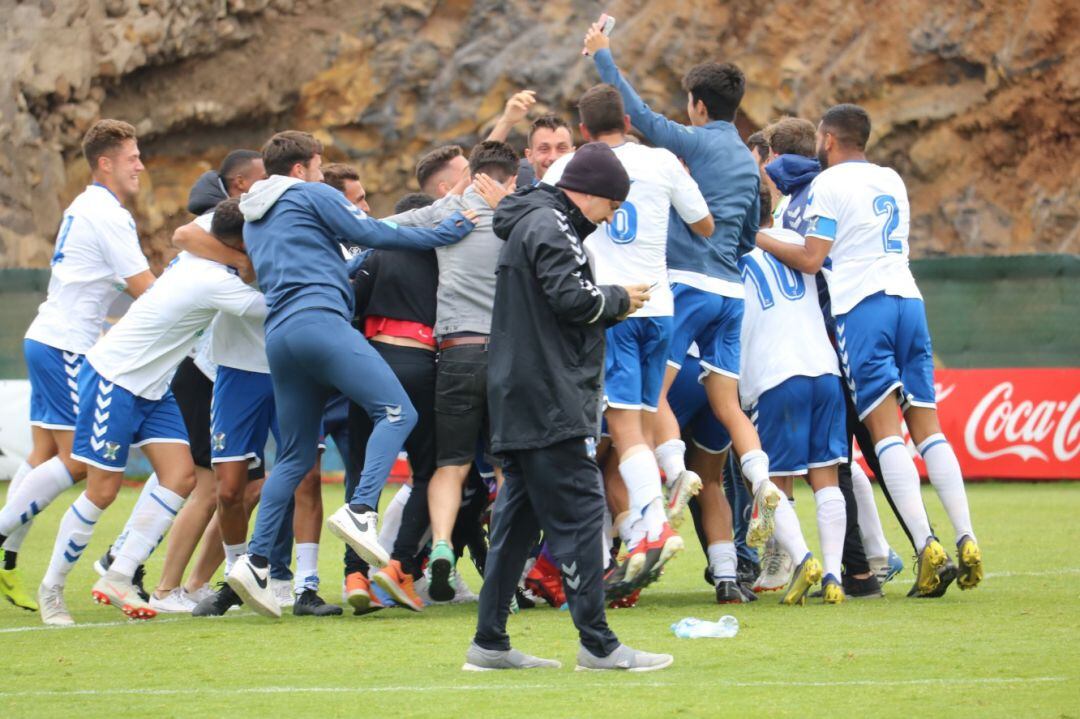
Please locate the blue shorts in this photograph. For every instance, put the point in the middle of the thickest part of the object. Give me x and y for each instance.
(243, 415)
(112, 420)
(802, 423)
(691, 407)
(711, 320)
(54, 385)
(884, 347)
(634, 362)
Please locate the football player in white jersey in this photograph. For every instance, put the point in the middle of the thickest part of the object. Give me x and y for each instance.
(632, 249)
(790, 383)
(124, 402)
(97, 256)
(859, 218)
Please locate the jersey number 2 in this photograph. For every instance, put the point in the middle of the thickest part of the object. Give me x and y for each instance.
(886, 205)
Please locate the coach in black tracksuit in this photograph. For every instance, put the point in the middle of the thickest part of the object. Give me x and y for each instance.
(544, 391)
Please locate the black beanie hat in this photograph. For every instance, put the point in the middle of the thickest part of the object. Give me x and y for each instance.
(595, 170)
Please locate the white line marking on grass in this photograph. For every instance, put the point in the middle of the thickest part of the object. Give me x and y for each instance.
(91, 625)
(1046, 573)
(227, 691)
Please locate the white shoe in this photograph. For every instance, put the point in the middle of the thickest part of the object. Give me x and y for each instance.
(283, 590)
(462, 593)
(763, 513)
(252, 585)
(683, 489)
(199, 594)
(776, 569)
(122, 594)
(175, 602)
(361, 532)
(52, 606)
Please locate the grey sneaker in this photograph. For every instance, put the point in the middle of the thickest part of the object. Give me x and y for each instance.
(478, 659)
(623, 658)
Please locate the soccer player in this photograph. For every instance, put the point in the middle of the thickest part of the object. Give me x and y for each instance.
(294, 224)
(860, 216)
(632, 249)
(441, 170)
(124, 402)
(707, 289)
(97, 257)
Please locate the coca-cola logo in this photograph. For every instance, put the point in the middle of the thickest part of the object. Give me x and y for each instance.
(1023, 425)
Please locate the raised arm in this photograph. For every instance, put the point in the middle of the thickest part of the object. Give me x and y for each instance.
(517, 109)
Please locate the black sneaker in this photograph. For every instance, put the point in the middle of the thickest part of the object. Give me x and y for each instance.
(746, 572)
(525, 598)
(946, 576)
(137, 582)
(708, 576)
(747, 592)
(868, 588)
(309, 604)
(727, 592)
(217, 603)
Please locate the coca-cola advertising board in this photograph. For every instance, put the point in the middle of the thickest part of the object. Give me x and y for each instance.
(1011, 423)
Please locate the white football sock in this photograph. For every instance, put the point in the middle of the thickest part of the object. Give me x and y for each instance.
(390, 524)
(76, 529)
(605, 543)
(14, 542)
(944, 471)
(149, 522)
(37, 490)
(149, 486)
(232, 553)
(832, 526)
(671, 456)
(641, 475)
(873, 536)
(789, 533)
(722, 560)
(902, 480)
(755, 467)
(631, 530)
(307, 567)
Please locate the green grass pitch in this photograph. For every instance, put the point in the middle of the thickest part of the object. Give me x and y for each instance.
(1010, 648)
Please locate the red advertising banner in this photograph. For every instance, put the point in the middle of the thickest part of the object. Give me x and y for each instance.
(1011, 423)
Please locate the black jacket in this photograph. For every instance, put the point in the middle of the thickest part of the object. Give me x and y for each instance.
(206, 193)
(546, 359)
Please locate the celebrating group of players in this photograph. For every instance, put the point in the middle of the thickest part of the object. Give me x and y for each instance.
(757, 302)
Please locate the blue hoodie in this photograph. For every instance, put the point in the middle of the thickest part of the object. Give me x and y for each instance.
(793, 175)
(294, 232)
(723, 168)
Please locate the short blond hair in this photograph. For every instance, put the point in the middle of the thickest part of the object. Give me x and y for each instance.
(103, 137)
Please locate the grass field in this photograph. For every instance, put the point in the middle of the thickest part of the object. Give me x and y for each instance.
(1010, 648)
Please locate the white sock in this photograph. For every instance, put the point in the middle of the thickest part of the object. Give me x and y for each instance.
(832, 526)
(641, 475)
(631, 530)
(76, 529)
(391, 518)
(948, 482)
(149, 522)
(307, 567)
(789, 533)
(873, 536)
(755, 467)
(149, 486)
(232, 553)
(605, 544)
(902, 479)
(14, 542)
(37, 490)
(671, 456)
(722, 560)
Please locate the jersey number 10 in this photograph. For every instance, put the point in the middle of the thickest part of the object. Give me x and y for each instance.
(791, 284)
(623, 226)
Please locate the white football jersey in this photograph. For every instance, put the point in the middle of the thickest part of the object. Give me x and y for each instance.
(783, 331)
(632, 248)
(141, 352)
(863, 210)
(96, 249)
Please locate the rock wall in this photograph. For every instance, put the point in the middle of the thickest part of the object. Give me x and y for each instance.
(974, 102)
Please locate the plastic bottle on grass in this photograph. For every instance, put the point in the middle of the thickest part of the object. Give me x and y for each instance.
(693, 628)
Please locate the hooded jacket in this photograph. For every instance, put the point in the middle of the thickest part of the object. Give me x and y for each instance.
(293, 232)
(206, 193)
(793, 175)
(546, 359)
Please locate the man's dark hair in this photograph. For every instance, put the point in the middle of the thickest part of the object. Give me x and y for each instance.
(719, 85)
(228, 223)
(436, 161)
(413, 201)
(285, 149)
(601, 110)
(103, 137)
(792, 136)
(337, 173)
(235, 162)
(765, 215)
(759, 145)
(849, 124)
(495, 159)
(549, 122)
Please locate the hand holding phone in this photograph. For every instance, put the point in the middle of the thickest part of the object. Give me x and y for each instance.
(597, 37)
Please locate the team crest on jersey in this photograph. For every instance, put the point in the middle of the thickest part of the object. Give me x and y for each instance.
(219, 441)
(111, 450)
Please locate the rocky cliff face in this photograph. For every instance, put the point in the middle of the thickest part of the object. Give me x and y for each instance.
(976, 103)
